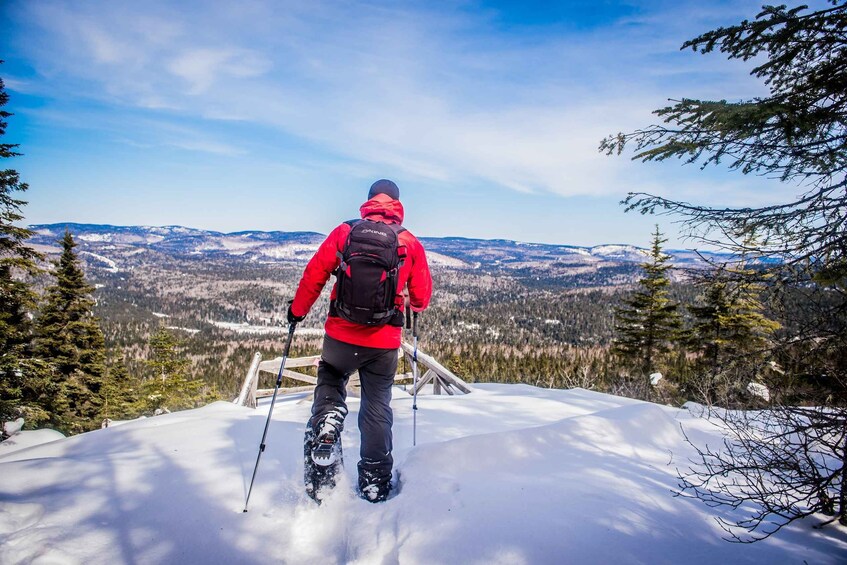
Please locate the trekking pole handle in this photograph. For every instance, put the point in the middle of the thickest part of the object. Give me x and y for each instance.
(408, 317)
(415, 324)
(291, 328)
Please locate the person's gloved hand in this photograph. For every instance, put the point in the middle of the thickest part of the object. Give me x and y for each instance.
(292, 319)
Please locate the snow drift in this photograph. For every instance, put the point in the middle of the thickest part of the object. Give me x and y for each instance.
(508, 474)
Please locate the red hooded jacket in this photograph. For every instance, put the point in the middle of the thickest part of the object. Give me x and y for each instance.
(414, 274)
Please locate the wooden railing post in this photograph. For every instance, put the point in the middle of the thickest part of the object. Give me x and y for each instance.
(247, 397)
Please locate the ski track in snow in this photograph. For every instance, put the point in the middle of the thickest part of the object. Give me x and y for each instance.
(509, 474)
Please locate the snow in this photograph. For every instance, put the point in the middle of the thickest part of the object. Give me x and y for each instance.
(245, 328)
(112, 266)
(438, 259)
(91, 237)
(25, 439)
(238, 244)
(11, 428)
(760, 390)
(186, 330)
(289, 251)
(506, 474)
(233, 245)
(619, 251)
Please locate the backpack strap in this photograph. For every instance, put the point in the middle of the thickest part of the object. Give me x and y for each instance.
(401, 249)
(340, 254)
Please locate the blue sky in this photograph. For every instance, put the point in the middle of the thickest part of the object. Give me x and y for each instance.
(269, 114)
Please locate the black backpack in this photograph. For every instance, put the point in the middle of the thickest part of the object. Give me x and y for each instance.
(367, 274)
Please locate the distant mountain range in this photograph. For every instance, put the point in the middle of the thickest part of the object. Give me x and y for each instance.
(103, 241)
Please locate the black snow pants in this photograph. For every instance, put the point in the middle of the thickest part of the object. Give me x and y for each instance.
(377, 368)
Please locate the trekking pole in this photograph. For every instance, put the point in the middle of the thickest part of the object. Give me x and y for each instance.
(271, 409)
(415, 381)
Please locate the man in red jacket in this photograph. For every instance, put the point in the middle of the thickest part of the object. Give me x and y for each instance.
(370, 349)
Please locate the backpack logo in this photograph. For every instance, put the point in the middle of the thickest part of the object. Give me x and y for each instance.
(368, 273)
(374, 232)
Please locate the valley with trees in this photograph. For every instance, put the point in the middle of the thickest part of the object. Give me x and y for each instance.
(597, 326)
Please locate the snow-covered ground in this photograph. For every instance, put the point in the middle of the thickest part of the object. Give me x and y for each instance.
(24, 439)
(181, 329)
(245, 328)
(440, 260)
(507, 474)
(111, 266)
(290, 251)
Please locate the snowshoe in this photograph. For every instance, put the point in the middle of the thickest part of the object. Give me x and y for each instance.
(322, 460)
(327, 449)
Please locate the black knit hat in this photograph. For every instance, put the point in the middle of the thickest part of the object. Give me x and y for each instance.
(384, 186)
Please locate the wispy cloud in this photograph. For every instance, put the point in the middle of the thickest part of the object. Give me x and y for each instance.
(436, 93)
(201, 68)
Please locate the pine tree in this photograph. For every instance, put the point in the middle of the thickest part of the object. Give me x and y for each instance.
(708, 335)
(169, 387)
(16, 297)
(69, 338)
(648, 322)
(729, 325)
(730, 332)
(120, 393)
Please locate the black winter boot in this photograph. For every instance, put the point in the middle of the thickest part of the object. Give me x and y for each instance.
(374, 483)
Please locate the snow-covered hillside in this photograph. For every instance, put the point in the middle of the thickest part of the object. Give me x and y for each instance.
(106, 243)
(507, 474)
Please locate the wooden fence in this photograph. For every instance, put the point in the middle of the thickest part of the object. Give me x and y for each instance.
(430, 371)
